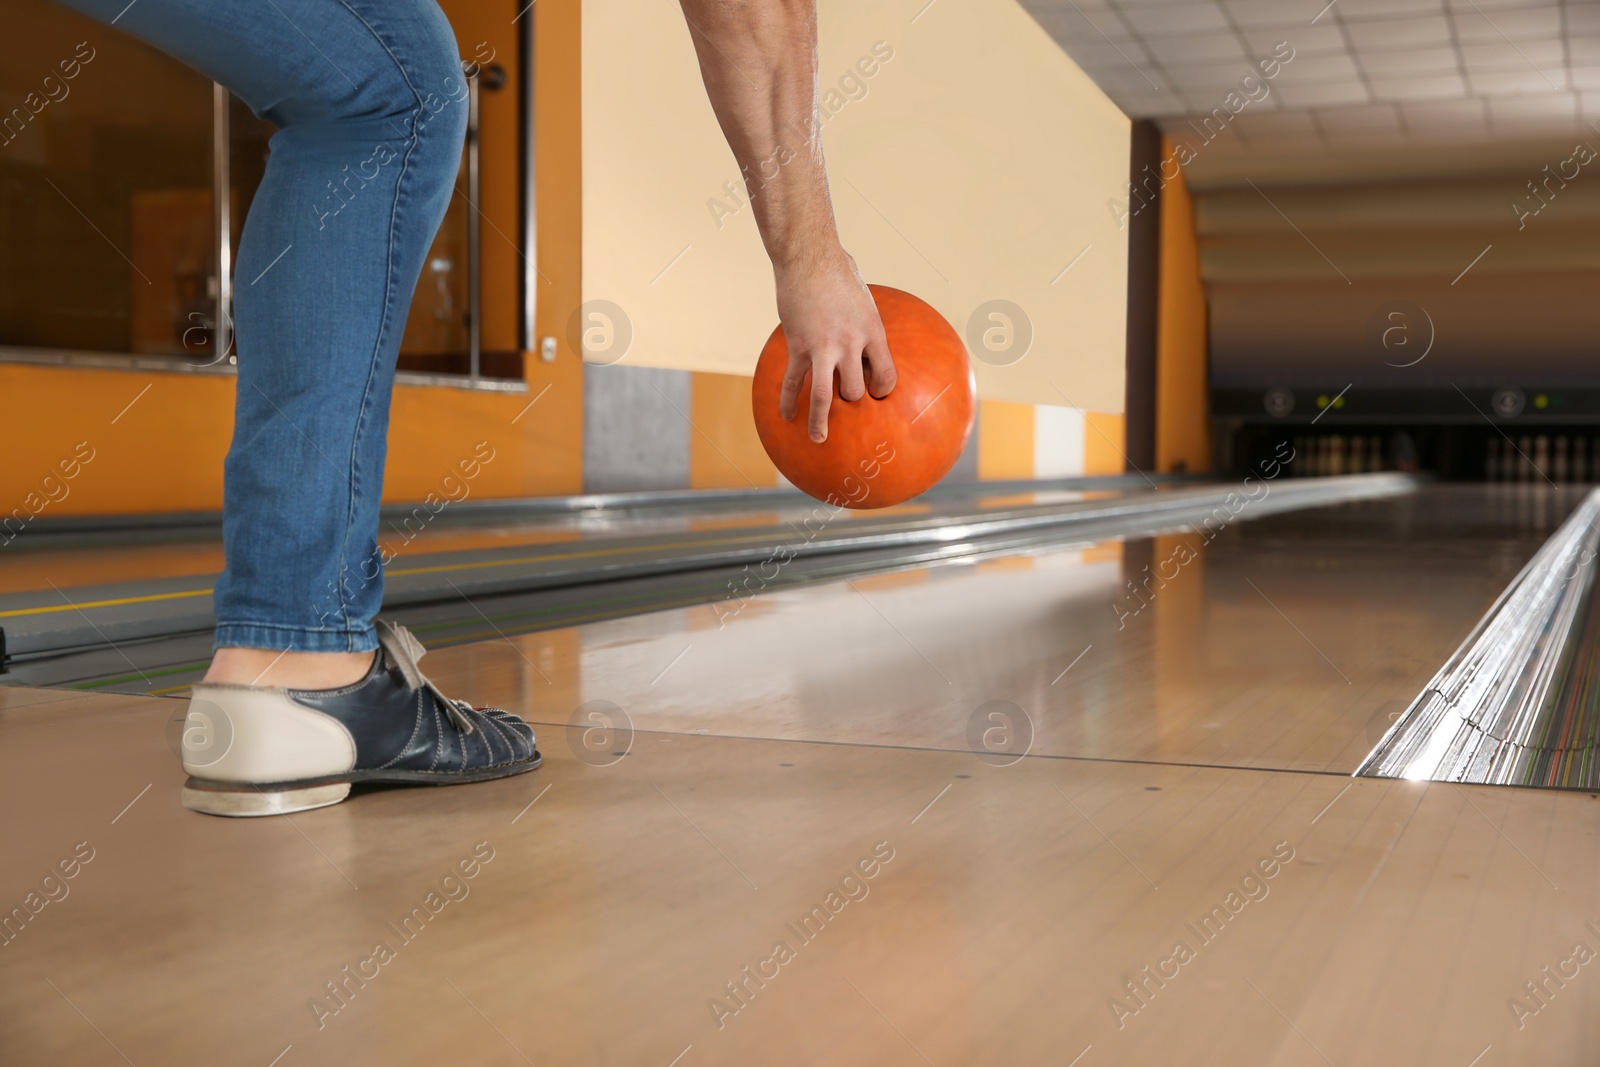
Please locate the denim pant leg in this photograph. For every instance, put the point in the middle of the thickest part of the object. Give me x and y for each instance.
(371, 107)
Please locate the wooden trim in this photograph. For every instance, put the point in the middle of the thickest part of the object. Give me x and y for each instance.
(1144, 274)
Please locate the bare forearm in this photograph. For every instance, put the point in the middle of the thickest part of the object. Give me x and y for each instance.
(759, 62)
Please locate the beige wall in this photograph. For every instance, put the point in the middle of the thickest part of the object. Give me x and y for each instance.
(976, 166)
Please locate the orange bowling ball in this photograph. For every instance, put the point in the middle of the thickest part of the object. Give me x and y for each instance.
(878, 452)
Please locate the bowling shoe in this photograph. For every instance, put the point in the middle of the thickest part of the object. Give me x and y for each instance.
(258, 751)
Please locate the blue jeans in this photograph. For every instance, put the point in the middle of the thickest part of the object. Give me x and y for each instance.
(371, 109)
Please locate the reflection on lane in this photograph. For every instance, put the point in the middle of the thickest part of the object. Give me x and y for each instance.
(1275, 645)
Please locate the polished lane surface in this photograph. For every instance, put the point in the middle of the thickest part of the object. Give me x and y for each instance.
(1187, 787)
(63, 636)
(1290, 642)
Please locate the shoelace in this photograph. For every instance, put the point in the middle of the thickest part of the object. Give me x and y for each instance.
(401, 652)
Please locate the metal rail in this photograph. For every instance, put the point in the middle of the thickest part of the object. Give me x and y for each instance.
(64, 531)
(474, 228)
(1519, 702)
(222, 215)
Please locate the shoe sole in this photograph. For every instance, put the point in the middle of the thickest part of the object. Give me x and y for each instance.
(244, 800)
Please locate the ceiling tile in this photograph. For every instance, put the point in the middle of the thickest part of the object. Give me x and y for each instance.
(1344, 140)
(1443, 112)
(1176, 20)
(1261, 14)
(1399, 33)
(1419, 87)
(1215, 79)
(1584, 50)
(1319, 68)
(1277, 124)
(1322, 94)
(1492, 6)
(1513, 82)
(1323, 38)
(1393, 63)
(1198, 48)
(1533, 106)
(1365, 72)
(1583, 18)
(1352, 9)
(1520, 55)
(1361, 117)
(1484, 25)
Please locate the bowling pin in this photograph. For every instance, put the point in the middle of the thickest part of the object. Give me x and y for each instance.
(1579, 474)
(1375, 453)
(1525, 459)
(1336, 453)
(1561, 460)
(1405, 453)
(1358, 455)
(1541, 458)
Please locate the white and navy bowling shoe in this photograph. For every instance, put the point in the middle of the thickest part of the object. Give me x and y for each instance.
(259, 751)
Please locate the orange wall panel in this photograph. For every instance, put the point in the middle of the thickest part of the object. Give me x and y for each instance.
(1005, 440)
(165, 451)
(724, 449)
(433, 431)
(162, 453)
(1104, 440)
(558, 177)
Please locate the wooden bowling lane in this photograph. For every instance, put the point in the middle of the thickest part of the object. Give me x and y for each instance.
(1289, 642)
(932, 908)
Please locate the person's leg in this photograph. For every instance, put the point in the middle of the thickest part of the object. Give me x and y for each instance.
(357, 181)
(371, 107)
(370, 102)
